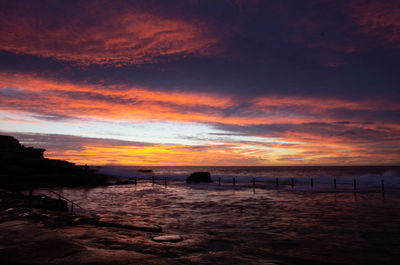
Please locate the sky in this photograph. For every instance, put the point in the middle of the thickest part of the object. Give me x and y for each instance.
(197, 82)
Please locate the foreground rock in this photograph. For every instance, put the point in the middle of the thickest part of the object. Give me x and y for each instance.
(199, 177)
(144, 228)
(40, 236)
(36, 237)
(11, 200)
(45, 202)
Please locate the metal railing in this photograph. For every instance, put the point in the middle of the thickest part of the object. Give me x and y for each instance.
(59, 197)
(253, 182)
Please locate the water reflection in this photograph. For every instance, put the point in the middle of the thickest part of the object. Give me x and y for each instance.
(258, 223)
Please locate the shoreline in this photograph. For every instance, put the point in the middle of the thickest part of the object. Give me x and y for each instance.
(40, 236)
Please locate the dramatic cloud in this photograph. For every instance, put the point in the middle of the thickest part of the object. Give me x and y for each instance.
(51, 100)
(203, 82)
(97, 151)
(92, 34)
(294, 122)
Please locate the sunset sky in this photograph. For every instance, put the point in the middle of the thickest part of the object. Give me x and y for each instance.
(197, 82)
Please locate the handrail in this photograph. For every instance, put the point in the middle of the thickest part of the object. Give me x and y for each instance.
(59, 195)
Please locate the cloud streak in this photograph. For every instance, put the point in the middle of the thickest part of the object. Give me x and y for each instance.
(122, 36)
(98, 151)
(294, 123)
(67, 100)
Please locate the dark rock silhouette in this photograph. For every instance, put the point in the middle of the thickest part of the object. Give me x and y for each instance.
(11, 150)
(45, 202)
(124, 182)
(25, 167)
(199, 177)
(86, 168)
(145, 170)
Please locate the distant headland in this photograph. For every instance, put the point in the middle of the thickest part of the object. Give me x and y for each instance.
(22, 167)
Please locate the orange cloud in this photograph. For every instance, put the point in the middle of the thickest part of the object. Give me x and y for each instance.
(331, 149)
(124, 36)
(318, 104)
(163, 155)
(227, 154)
(67, 100)
(89, 101)
(301, 136)
(308, 150)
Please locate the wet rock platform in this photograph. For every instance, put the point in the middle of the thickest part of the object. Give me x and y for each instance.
(41, 236)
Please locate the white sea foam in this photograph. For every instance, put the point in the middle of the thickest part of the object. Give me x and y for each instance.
(367, 178)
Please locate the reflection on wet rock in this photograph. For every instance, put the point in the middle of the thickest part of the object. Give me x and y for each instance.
(168, 238)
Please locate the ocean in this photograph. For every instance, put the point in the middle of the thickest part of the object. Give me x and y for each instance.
(323, 177)
(262, 224)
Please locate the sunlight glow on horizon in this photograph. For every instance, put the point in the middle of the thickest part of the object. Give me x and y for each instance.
(203, 83)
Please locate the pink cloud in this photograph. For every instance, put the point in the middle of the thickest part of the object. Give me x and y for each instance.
(124, 36)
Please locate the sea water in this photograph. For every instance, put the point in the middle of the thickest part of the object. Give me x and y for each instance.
(261, 224)
(323, 178)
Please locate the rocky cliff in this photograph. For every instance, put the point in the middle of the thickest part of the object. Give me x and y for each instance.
(22, 166)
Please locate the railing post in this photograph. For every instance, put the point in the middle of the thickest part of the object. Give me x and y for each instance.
(219, 180)
(312, 183)
(354, 184)
(254, 182)
(334, 183)
(165, 181)
(292, 183)
(135, 180)
(30, 198)
(383, 185)
(277, 181)
(152, 180)
(59, 202)
(234, 181)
